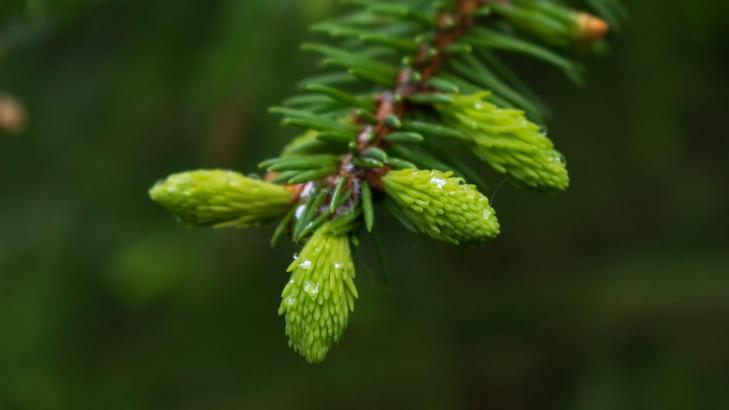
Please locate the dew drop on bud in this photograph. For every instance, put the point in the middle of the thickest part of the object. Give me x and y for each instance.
(311, 288)
(305, 264)
(557, 156)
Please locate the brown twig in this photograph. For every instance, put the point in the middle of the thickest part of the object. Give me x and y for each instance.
(411, 80)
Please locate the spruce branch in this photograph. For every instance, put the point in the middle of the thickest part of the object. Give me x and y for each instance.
(406, 81)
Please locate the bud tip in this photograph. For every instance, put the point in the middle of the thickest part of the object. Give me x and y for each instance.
(591, 28)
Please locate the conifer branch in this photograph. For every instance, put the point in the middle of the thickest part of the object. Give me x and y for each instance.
(407, 80)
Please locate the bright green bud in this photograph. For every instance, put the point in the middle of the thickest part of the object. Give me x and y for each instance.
(443, 206)
(509, 142)
(220, 198)
(320, 294)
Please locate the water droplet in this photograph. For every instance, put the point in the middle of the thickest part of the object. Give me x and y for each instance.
(296, 256)
(290, 301)
(305, 264)
(299, 211)
(307, 191)
(557, 156)
(486, 214)
(440, 182)
(478, 105)
(337, 265)
(544, 130)
(311, 288)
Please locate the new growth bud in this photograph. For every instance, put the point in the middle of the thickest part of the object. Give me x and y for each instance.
(590, 28)
(220, 198)
(320, 294)
(552, 22)
(443, 206)
(508, 141)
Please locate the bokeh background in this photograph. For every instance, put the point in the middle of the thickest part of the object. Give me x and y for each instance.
(613, 295)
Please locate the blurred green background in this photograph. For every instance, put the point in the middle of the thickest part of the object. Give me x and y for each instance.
(613, 295)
